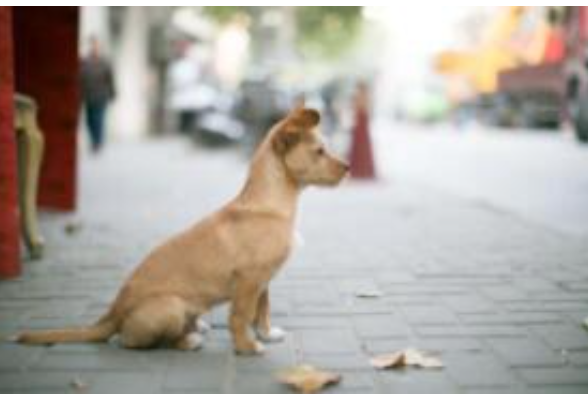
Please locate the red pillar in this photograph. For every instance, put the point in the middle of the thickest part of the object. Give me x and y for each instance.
(46, 68)
(9, 221)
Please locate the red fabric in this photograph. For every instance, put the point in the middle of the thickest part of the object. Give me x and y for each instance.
(46, 61)
(361, 160)
(9, 221)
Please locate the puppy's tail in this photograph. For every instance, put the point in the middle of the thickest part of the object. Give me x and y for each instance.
(101, 331)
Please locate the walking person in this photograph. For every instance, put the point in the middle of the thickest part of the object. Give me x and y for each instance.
(97, 91)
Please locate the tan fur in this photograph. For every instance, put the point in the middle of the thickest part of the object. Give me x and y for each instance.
(231, 255)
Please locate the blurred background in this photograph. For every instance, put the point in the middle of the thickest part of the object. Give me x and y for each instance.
(488, 103)
(223, 74)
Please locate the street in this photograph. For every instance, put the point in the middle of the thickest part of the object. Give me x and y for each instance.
(539, 176)
(474, 242)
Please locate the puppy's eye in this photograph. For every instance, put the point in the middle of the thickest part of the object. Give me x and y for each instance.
(320, 151)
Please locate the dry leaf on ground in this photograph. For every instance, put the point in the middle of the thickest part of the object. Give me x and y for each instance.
(586, 323)
(308, 379)
(406, 358)
(368, 294)
(72, 227)
(78, 385)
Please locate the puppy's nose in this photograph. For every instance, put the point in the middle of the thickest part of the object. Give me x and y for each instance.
(346, 167)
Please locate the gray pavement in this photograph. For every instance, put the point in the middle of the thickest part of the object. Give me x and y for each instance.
(499, 297)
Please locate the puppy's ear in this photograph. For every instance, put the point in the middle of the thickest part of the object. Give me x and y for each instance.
(284, 140)
(305, 117)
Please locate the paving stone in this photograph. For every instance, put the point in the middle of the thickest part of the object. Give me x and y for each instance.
(555, 376)
(477, 370)
(563, 336)
(526, 351)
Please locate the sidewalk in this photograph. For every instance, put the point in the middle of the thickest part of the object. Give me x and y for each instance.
(499, 300)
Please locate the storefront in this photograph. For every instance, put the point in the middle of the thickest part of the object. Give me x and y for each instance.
(39, 58)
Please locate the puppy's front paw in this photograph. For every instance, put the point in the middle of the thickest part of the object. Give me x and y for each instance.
(274, 335)
(251, 349)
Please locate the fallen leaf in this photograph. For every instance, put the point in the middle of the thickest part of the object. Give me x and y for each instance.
(406, 358)
(308, 379)
(387, 361)
(585, 323)
(368, 294)
(78, 385)
(72, 227)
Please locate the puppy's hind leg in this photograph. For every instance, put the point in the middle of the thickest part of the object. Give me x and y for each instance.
(197, 324)
(158, 320)
(190, 341)
(202, 326)
(193, 337)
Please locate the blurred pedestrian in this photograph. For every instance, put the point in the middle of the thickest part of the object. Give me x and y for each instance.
(97, 91)
(361, 157)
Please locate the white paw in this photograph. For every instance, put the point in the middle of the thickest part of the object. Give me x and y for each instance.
(259, 348)
(256, 350)
(273, 336)
(203, 326)
(192, 341)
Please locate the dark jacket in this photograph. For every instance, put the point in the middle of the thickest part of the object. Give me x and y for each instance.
(97, 82)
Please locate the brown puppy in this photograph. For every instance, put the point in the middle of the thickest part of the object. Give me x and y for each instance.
(229, 256)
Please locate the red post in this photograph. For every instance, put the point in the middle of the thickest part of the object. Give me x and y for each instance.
(46, 68)
(361, 159)
(9, 221)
